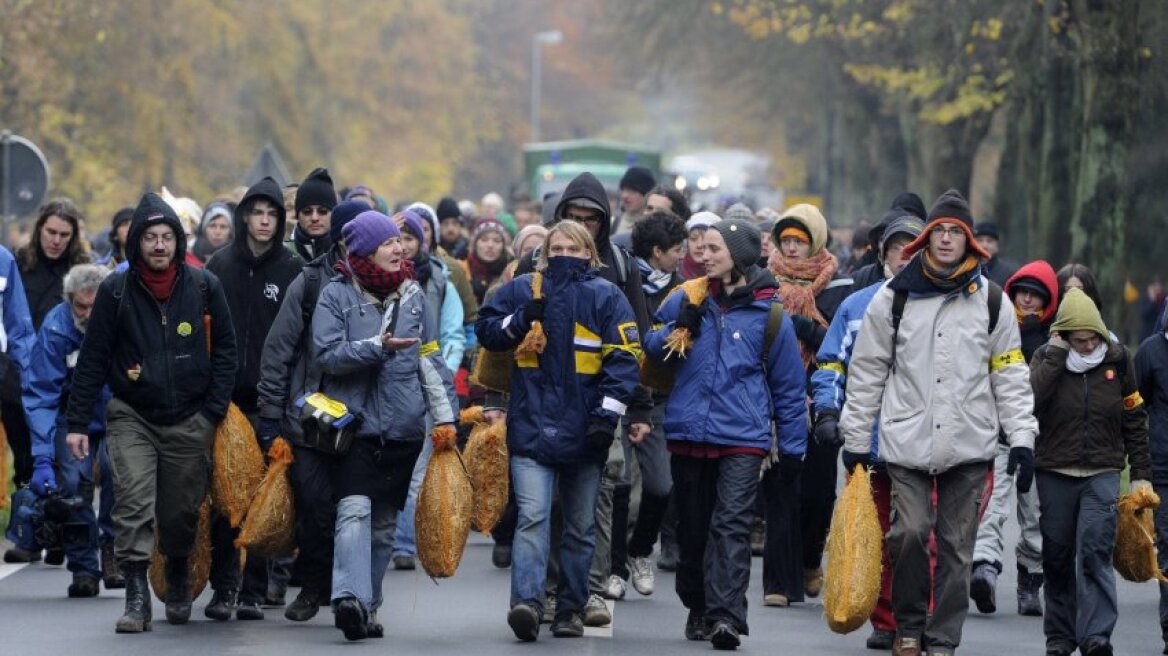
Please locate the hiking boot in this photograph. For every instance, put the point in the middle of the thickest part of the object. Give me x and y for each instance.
(776, 599)
(350, 617)
(178, 591)
(813, 581)
(596, 612)
(667, 559)
(880, 640)
(373, 628)
(304, 607)
(1096, 646)
(249, 610)
(724, 636)
(524, 622)
(1060, 649)
(139, 611)
(549, 610)
(615, 589)
(110, 576)
(54, 557)
(568, 625)
(982, 585)
(641, 572)
(1029, 593)
(222, 605)
(18, 555)
(501, 555)
(84, 585)
(906, 646)
(695, 626)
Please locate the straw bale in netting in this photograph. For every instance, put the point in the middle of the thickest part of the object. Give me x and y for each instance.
(679, 341)
(488, 463)
(268, 529)
(854, 543)
(1135, 537)
(445, 504)
(198, 563)
(238, 466)
(492, 370)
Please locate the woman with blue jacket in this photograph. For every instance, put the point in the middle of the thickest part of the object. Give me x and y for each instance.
(731, 392)
(565, 403)
(370, 339)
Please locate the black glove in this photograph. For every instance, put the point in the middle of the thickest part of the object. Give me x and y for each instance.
(534, 310)
(601, 432)
(851, 459)
(690, 318)
(827, 429)
(789, 466)
(267, 430)
(1021, 461)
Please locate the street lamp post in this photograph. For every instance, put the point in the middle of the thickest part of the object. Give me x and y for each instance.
(537, 40)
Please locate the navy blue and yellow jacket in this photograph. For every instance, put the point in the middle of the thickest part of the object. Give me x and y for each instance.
(588, 369)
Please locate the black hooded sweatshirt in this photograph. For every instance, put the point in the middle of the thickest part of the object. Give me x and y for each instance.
(255, 288)
(164, 344)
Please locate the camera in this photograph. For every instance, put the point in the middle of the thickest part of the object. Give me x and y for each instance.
(47, 522)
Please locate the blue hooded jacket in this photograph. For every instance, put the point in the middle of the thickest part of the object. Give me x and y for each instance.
(723, 394)
(588, 369)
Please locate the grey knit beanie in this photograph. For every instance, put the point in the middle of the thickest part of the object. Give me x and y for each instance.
(743, 240)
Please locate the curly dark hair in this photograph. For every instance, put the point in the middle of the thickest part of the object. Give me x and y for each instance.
(64, 209)
(676, 200)
(657, 229)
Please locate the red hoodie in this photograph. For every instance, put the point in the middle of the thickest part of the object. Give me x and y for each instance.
(1042, 272)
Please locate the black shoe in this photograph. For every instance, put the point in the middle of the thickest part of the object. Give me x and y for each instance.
(1029, 593)
(350, 617)
(724, 636)
(273, 601)
(667, 561)
(304, 607)
(982, 586)
(18, 555)
(249, 610)
(222, 605)
(881, 640)
(373, 628)
(501, 555)
(403, 561)
(139, 611)
(110, 575)
(524, 622)
(695, 626)
(1096, 646)
(83, 585)
(178, 591)
(55, 557)
(1060, 649)
(568, 625)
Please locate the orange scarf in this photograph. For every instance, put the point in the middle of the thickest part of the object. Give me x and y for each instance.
(800, 281)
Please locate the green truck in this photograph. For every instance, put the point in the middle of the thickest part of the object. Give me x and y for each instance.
(549, 166)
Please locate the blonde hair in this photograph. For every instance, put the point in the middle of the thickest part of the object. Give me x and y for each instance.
(579, 236)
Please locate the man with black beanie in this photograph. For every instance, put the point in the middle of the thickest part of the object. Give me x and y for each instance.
(906, 204)
(315, 200)
(451, 236)
(635, 186)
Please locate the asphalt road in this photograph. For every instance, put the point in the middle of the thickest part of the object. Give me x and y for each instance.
(467, 615)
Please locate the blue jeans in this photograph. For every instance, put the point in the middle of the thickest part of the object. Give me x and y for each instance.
(535, 486)
(362, 542)
(403, 537)
(75, 479)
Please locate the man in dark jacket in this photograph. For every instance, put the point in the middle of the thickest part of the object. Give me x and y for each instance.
(287, 372)
(171, 381)
(451, 229)
(997, 268)
(872, 272)
(1151, 364)
(255, 272)
(315, 200)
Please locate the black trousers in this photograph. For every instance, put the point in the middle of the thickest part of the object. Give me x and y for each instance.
(19, 440)
(316, 510)
(782, 560)
(817, 500)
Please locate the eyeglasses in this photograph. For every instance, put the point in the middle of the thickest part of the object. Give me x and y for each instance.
(953, 232)
(151, 238)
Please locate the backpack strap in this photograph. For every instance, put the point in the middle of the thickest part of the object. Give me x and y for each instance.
(311, 292)
(899, 299)
(620, 261)
(773, 325)
(995, 303)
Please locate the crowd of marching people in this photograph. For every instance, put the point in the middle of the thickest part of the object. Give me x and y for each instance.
(698, 382)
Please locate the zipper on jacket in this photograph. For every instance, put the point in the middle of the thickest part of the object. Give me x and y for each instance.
(170, 397)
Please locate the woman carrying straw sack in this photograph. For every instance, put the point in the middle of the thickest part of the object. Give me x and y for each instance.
(379, 361)
(576, 348)
(1091, 422)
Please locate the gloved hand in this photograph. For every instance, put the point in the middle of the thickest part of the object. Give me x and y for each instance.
(804, 327)
(43, 478)
(827, 429)
(600, 434)
(534, 310)
(1057, 341)
(851, 459)
(790, 466)
(690, 318)
(1140, 484)
(267, 430)
(1021, 461)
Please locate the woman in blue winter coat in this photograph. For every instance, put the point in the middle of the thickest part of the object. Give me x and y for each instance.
(734, 386)
(379, 359)
(565, 403)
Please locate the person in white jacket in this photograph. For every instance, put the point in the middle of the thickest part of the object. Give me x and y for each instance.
(942, 374)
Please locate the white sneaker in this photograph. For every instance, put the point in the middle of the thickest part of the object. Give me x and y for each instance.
(641, 571)
(615, 588)
(596, 612)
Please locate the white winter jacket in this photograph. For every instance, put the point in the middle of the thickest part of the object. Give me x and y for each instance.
(954, 385)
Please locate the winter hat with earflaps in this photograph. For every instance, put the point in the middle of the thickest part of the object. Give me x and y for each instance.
(952, 208)
(1078, 312)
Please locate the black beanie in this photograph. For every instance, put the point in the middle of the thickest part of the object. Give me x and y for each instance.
(317, 189)
(911, 203)
(951, 205)
(743, 240)
(987, 229)
(448, 209)
(639, 179)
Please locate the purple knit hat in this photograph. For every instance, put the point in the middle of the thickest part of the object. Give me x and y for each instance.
(413, 224)
(364, 234)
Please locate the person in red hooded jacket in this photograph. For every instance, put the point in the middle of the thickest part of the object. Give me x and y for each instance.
(1034, 289)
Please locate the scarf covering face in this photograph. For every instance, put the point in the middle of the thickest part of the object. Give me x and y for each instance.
(800, 281)
(160, 283)
(372, 278)
(652, 280)
(948, 279)
(423, 269)
(1078, 364)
